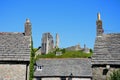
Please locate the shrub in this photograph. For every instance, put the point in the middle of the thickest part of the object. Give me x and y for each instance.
(31, 72)
(91, 51)
(63, 50)
(115, 75)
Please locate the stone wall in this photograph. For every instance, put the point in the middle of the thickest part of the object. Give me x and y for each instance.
(74, 48)
(81, 79)
(12, 72)
(50, 78)
(47, 78)
(101, 73)
(58, 78)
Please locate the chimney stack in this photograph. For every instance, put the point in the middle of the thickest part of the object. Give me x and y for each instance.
(99, 25)
(27, 28)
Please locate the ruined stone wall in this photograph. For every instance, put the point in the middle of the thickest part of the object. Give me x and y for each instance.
(12, 72)
(74, 48)
(101, 73)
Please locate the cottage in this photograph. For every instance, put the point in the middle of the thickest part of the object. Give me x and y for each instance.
(106, 57)
(63, 69)
(15, 54)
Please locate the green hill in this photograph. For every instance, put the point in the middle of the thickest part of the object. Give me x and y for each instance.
(66, 54)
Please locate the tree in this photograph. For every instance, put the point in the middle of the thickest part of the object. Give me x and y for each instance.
(63, 50)
(91, 51)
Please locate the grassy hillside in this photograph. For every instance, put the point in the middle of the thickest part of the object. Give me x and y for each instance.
(66, 54)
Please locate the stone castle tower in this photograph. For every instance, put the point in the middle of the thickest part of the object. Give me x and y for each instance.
(27, 27)
(57, 41)
(99, 25)
(47, 43)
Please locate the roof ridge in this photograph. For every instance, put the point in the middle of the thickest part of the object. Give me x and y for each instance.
(62, 58)
(4, 33)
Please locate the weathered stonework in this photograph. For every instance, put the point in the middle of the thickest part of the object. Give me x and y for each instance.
(15, 50)
(81, 79)
(61, 69)
(100, 74)
(57, 41)
(74, 48)
(12, 72)
(52, 78)
(106, 53)
(58, 78)
(47, 43)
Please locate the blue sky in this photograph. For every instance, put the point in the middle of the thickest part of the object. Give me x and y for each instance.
(73, 20)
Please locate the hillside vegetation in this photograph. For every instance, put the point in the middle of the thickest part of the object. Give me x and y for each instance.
(66, 54)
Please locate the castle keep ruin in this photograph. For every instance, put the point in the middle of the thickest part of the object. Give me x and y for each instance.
(47, 43)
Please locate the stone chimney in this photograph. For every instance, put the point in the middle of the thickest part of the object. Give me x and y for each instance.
(27, 28)
(99, 25)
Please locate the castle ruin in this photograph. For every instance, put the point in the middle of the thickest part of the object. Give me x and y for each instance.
(47, 43)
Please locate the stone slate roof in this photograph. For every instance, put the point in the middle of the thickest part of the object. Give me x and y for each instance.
(14, 47)
(64, 67)
(107, 49)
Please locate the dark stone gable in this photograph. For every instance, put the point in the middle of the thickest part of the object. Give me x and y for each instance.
(107, 49)
(14, 46)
